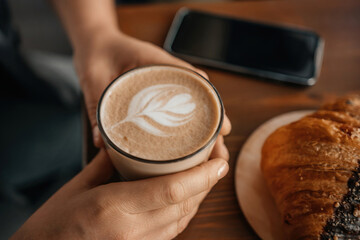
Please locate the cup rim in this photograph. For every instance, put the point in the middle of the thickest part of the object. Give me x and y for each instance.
(139, 159)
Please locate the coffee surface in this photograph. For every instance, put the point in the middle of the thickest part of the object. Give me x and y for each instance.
(160, 113)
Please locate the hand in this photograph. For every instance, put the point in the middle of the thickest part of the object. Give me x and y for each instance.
(154, 208)
(102, 58)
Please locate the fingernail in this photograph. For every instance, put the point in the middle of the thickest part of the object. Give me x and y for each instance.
(223, 170)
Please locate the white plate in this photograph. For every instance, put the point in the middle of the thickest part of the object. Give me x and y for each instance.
(254, 198)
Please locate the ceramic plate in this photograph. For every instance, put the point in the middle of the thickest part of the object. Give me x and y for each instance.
(253, 196)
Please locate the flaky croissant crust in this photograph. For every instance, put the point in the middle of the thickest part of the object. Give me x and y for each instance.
(307, 165)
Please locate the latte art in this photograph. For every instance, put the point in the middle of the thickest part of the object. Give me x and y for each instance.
(169, 105)
(160, 112)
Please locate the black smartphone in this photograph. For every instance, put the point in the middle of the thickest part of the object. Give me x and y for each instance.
(275, 52)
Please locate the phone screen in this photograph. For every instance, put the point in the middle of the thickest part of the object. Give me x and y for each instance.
(251, 45)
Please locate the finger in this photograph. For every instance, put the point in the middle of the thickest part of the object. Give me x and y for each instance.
(184, 222)
(177, 61)
(98, 141)
(98, 172)
(93, 85)
(202, 73)
(91, 105)
(226, 127)
(160, 218)
(217, 150)
(159, 192)
(173, 229)
(220, 150)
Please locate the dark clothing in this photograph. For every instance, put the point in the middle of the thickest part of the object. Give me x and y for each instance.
(40, 140)
(21, 80)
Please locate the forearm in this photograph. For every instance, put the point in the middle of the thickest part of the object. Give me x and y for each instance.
(84, 18)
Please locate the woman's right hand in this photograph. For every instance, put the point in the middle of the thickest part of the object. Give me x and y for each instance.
(154, 208)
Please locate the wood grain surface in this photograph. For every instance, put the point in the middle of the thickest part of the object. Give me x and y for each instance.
(250, 101)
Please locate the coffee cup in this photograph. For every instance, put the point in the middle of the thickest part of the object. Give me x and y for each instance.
(159, 119)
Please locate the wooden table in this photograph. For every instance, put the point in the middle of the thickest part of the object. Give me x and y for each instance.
(249, 101)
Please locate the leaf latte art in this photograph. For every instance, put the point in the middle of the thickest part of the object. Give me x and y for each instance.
(159, 112)
(169, 105)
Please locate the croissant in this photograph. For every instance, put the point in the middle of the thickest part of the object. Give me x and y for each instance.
(311, 168)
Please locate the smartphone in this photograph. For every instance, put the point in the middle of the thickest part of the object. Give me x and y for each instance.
(274, 52)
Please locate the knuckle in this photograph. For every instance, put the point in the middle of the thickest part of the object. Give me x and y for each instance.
(186, 207)
(125, 235)
(207, 179)
(174, 192)
(101, 207)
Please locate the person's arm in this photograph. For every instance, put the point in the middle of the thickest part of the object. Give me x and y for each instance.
(102, 51)
(83, 19)
(87, 207)
(156, 208)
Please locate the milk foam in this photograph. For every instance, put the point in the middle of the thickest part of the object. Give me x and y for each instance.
(160, 112)
(150, 102)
